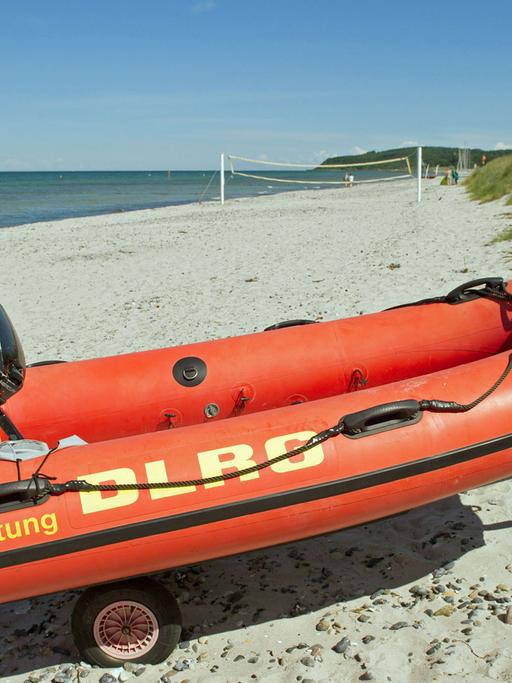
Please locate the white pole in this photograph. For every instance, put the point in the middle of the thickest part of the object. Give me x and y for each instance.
(222, 178)
(419, 174)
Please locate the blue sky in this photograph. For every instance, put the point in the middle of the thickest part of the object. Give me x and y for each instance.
(160, 84)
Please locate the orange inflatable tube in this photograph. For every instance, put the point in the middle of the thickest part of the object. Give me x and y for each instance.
(137, 393)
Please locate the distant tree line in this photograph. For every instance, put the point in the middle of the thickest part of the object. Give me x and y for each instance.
(444, 156)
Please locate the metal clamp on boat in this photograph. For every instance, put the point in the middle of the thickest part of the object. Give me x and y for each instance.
(381, 418)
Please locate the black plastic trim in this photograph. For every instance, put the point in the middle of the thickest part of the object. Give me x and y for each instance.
(8, 426)
(10, 507)
(252, 506)
(460, 295)
(40, 363)
(288, 323)
(12, 359)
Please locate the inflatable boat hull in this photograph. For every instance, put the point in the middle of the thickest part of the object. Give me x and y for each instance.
(78, 539)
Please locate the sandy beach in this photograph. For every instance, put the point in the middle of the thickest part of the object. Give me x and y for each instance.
(420, 597)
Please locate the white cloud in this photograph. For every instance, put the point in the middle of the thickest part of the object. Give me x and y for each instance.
(321, 155)
(502, 145)
(358, 150)
(409, 143)
(263, 157)
(203, 6)
(12, 164)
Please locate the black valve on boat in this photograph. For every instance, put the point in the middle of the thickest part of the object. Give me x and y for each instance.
(12, 359)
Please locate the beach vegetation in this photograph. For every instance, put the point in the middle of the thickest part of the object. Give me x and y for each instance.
(492, 181)
(503, 236)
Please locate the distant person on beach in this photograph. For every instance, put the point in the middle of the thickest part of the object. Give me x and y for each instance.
(351, 180)
(455, 177)
(484, 159)
(346, 179)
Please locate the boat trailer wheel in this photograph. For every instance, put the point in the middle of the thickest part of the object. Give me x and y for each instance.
(126, 629)
(127, 621)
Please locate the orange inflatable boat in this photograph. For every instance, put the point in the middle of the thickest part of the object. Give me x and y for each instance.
(298, 458)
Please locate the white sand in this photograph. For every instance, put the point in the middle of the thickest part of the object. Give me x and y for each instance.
(109, 284)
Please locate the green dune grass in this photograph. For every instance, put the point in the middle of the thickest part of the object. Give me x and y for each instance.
(492, 181)
(503, 236)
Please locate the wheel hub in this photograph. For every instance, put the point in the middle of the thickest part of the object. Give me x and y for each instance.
(126, 629)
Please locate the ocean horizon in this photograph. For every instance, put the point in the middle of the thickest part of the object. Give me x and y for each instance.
(35, 196)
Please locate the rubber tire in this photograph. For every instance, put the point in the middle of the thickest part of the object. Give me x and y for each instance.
(146, 591)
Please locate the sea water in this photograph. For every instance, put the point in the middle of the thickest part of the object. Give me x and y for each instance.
(28, 197)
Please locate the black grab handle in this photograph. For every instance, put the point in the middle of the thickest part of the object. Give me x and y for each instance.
(288, 323)
(381, 418)
(461, 293)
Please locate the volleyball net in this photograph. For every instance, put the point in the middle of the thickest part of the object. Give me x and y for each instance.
(319, 175)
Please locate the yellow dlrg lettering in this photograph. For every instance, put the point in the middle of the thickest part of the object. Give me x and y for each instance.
(14, 531)
(31, 524)
(156, 471)
(49, 525)
(211, 464)
(278, 444)
(97, 501)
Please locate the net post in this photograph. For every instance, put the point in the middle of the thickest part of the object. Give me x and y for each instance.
(419, 174)
(222, 179)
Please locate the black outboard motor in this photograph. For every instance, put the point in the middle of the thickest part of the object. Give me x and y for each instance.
(20, 493)
(12, 359)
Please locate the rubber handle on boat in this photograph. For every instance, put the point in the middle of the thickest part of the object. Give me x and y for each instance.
(378, 417)
(458, 292)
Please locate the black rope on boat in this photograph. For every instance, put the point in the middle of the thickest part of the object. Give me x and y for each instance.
(421, 302)
(84, 486)
(432, 405)
(436, 406)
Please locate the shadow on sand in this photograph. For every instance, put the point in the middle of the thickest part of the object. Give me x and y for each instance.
(265, 585)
